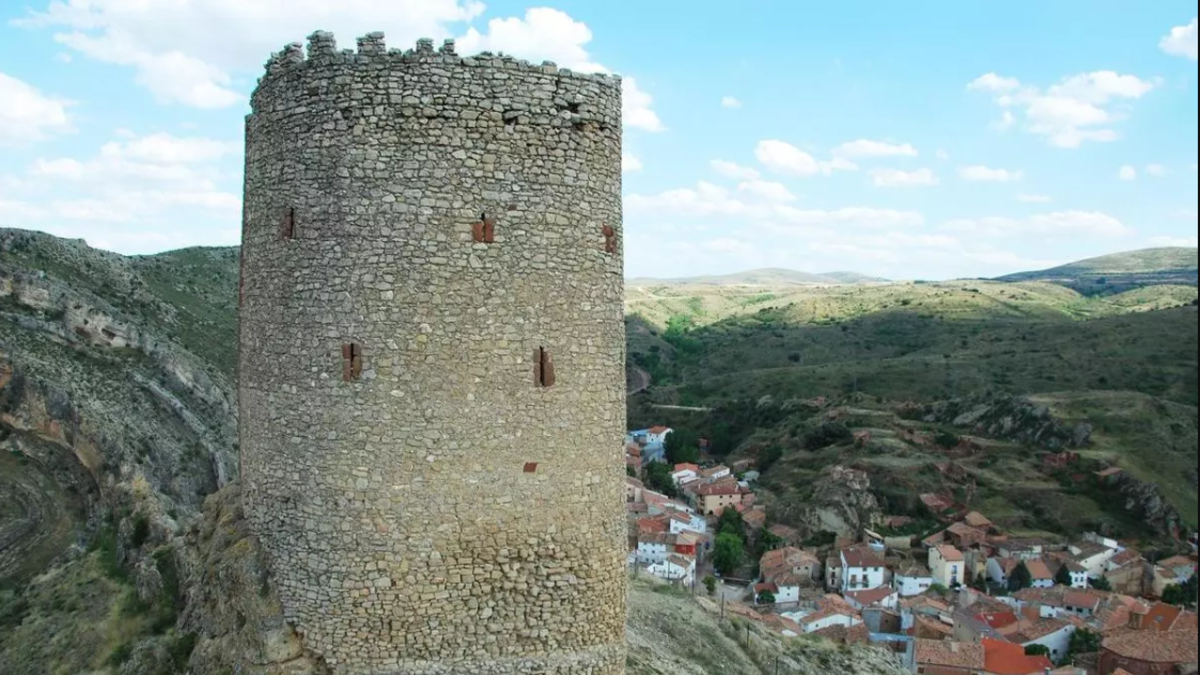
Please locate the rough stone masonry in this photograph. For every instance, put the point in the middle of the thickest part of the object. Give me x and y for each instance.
(431, 358)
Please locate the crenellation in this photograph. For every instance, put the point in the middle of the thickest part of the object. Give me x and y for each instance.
(431, 425)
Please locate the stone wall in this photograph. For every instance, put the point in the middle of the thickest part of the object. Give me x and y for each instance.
(432, 358)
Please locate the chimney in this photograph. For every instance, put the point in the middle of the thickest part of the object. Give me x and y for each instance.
(954, 647)
(1137, 619)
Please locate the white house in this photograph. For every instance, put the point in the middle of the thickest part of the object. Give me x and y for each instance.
(998, 569)
(715, 473)
(948, 565)
(675, 567)
(911, 581)
(1053, 634)
(657, 435)
(861, 569)
(830, 612)
(1079, 574)
(883, 596)
(685, 473)
(1094, 556)
(654, 548)
(787, 588)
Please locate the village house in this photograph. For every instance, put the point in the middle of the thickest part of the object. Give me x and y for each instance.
(884, 597)
(861, 569)
(831, 611)
(789, 560)
(755, 518)
(1093, 553)
(685, 473)
(1022, 549)
(1159, 641)
(1078, 573)
(947, 566)
(1005, 658)
(785, 588)
(675, 567)
(941, 657)
(1053, 634)
(689, 543)
(712, 499)
(715, 473)
(912, 579)
(655, 547)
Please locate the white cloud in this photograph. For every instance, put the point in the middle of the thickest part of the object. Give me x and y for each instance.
(27, 114)
(733, 170)
(635, 108)
(1072, 223)
(63, 57)
(138, 194)
(1127, 173)
(171, 46)
(898, 178)
(730, 102)
(1067, 114)
(706, 199)
(994, 83)
(863, 148)
(942, 155)
(1006, 121)
(984, 174)
(786, 158)
(768, 191)
(630, 163)
(1157, 170)
(1181, 41)
(1033, 199)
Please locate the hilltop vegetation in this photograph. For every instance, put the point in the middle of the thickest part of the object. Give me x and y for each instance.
(776, 365)
(1120, 272)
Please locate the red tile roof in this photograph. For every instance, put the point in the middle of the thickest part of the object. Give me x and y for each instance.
(658, 429)
(1031, 630)
(998, 620)
(871, 597)
(862, 557)
(1039, 570)
(1006, 658)
(1174, 647)
(977, 519)
(1082, 599)
(950, 654)
(950, 554)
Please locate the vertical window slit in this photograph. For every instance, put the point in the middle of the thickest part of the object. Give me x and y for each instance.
(543, 368)
(287, 228)
(351, 361)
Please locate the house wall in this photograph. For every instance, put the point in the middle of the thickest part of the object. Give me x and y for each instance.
(1059, 643)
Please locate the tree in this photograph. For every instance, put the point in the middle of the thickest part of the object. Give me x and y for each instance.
(630, 471)
(682, 447)
(1063, 576)
(1037, 650)
(766, 598)
(768, 457)
(1084, 641)
(731, 522)
(728, 553)
(980, 584)
(1101, 584)
(827, 434)
(710, 583)
(1021, 578)
(658, 478)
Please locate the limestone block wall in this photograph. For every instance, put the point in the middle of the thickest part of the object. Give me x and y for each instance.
(432, 358)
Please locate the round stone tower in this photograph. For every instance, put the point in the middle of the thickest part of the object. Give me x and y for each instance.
(432, 355)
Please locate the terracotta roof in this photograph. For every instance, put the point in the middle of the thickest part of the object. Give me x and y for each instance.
(789, 579)
(1006, 658)
(1127, 556)
(950, 654)
(686, 467)
(1161, 617)
(998, 620)
(934, 625)
(950, 554)
(1039, 570)
(755, 518)
(630, 480)
(830, 605)
(977, 519)
(871, 597)
(782, 623)
(724, 488)
(778, 557)
(660, 538)
(862, 557)
(784, 532)
(1175, 647)
(835, 633)
(658, 429)
(1082, 599)
(1031, 630)
(681, 560)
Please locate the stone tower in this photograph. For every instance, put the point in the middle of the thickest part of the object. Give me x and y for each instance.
(432, 358)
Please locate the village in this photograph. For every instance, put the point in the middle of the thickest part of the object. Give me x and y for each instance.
(967, 600)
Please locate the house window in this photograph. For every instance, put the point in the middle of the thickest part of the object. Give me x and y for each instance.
(351, 361)
(543, 368)
(484, 231)
(531, 467)
(287, 227)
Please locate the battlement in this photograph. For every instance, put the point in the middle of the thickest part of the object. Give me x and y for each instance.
(372, 49)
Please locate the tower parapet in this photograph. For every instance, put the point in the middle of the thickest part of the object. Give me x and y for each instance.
(432, 358)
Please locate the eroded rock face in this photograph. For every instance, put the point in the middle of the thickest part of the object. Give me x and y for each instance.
(232, 605)
(1011, 418)
(1146, 501)
(842, 503)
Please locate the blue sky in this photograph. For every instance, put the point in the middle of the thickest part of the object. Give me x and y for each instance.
(908, 140)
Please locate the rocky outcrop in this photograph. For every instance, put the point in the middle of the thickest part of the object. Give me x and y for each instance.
(1010, 418)
(1146, 502)
(231, 605)
(841, 503)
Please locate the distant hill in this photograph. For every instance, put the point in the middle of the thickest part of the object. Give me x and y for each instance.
(1120, 272)
(770, 277)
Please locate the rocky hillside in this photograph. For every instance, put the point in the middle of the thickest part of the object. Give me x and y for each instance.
(1120, 272)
